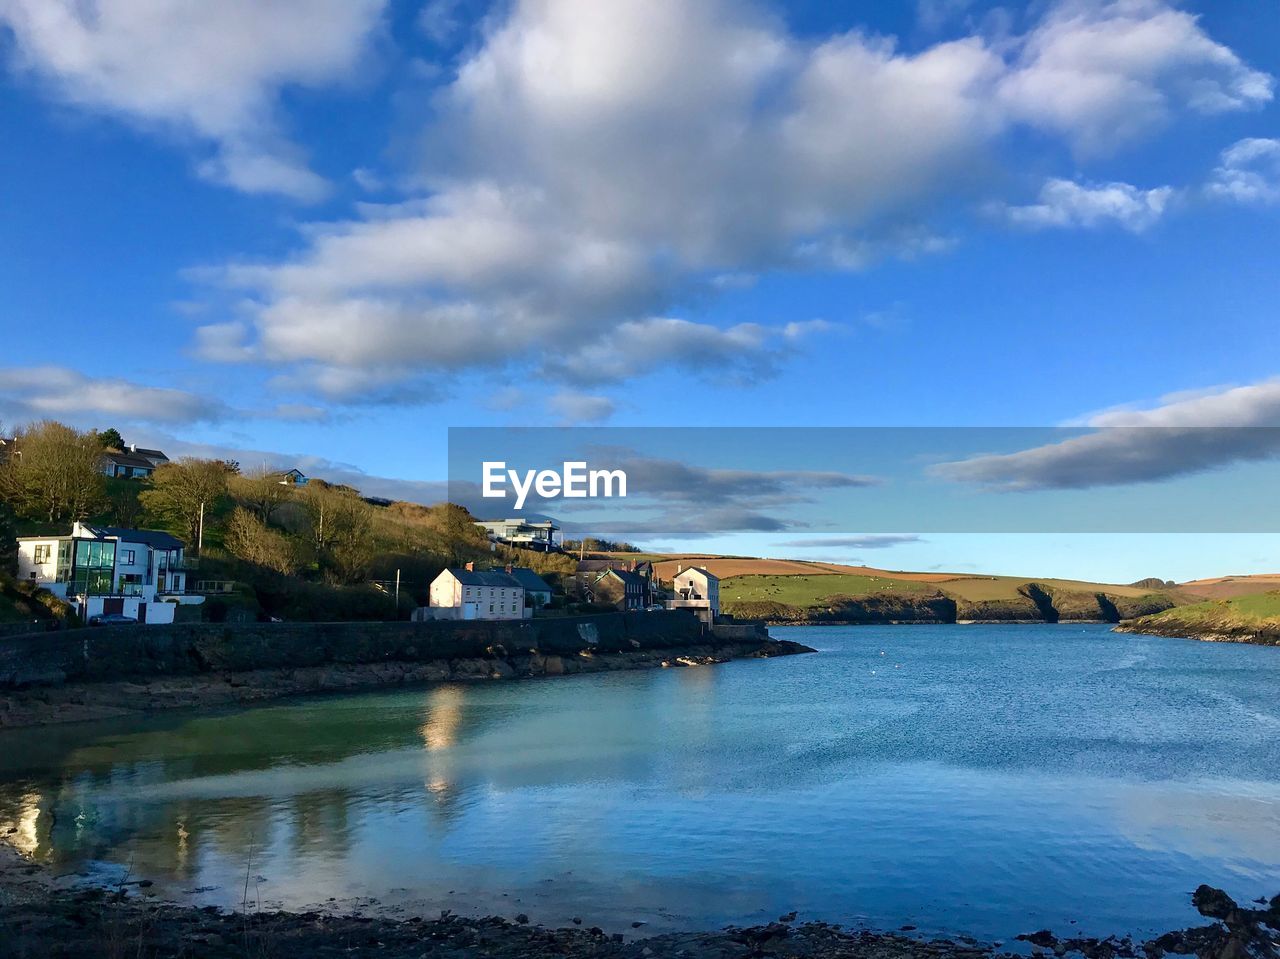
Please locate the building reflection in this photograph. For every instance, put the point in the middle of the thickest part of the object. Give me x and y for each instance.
(440, 730)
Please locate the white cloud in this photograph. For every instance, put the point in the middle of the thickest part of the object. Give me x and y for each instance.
(1248, 172)
(1104, 72)
(1185, 434)
(748, 350)
(208, 70)
(593, 165)
(573, 407)
(1064, 203)
(57, 392)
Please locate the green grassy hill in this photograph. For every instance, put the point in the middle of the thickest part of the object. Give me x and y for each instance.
(1253, 618)
(876, 596)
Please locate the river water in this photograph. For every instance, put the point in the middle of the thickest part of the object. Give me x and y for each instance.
(982, 780)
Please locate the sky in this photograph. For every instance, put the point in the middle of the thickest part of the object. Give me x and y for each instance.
(322, 232)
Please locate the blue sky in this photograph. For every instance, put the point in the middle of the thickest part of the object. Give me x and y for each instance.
(322, 231)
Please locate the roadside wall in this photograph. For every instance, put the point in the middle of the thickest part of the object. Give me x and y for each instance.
(118, 652)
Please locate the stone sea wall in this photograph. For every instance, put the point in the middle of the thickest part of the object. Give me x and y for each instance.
(121, 652)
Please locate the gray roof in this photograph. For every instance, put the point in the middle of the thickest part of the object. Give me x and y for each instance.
(699, 569)
(530, 580)
(154, 538)
(628, 577)
(129, 459)
(487, 577)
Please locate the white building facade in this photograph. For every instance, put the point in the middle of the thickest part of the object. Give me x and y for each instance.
(468, 594)
(697, 590)
(101, 571)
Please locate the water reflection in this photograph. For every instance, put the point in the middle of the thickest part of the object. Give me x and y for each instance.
(1017, 778)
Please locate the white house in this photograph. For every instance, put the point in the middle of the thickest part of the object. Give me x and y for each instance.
(468, 594)
(102, 570)
(697, 590)
(530, 534)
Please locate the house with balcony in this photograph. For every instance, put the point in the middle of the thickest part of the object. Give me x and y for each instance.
(697, 590)
(103, 570)
(543, 536)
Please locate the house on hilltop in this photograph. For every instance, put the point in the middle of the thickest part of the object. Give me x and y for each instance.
(542, 536)
(133, 462)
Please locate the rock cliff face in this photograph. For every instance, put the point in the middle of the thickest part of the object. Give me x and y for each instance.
(1256, 634)
(1034, 603)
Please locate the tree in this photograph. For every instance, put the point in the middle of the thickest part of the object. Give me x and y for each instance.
(110, 439)
(54, 473)
(186, 493)
(340, 524)
(250, 539)
(261, 492)
(8, 540)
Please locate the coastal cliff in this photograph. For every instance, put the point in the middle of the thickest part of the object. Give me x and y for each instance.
(1253, 618)
(1031, 603)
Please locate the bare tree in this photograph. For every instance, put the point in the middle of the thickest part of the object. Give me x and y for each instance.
(261, 492)
(340, 523)
(54, 473)
(187, 492)
(250, 539)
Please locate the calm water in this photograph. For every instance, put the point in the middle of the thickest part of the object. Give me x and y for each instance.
(981, 780)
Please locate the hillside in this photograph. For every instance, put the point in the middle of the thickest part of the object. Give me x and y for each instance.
(797, 591)
(1251, 618)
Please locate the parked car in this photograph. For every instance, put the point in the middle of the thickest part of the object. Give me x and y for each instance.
(111, 619)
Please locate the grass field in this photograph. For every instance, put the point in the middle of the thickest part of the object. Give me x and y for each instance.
(1257, 607)
(1225, 587)
(812, 590)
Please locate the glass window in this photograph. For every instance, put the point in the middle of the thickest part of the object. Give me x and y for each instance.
(44, 553)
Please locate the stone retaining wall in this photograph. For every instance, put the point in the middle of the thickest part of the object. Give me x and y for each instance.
(118, 652)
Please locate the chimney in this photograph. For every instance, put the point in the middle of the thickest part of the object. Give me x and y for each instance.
(470, 567)
(133, 447)
(679, 569)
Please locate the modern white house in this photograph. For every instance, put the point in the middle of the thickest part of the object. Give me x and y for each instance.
(104, 570)
(530, 534)
(133, 462)
(470, 594)
(697, 590)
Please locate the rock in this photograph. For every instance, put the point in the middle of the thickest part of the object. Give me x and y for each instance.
(576, 920)
(522, 919)
(1043, 938)
(1212, 902)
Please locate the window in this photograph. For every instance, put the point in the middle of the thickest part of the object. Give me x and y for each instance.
(44, 553)
(126, 557)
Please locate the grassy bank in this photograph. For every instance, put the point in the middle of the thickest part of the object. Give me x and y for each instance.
(1253, 618)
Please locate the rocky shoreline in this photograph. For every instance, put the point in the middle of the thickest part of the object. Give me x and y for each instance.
(110, 699)
(42, 915)
(1203, 632)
